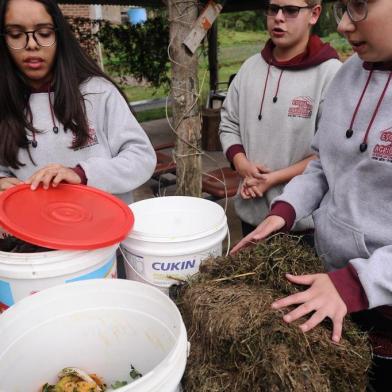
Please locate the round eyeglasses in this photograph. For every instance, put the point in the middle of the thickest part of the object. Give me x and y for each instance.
(18, 39)
(289, 11)
(357, 10)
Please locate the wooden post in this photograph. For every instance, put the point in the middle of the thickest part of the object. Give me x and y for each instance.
(184, 90)
(213, 55)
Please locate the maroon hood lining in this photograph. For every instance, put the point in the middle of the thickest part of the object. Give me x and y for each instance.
(387, 66)
(45, 88)
(317, 52)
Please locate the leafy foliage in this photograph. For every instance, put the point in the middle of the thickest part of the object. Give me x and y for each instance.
(242, 21)
(139, 50)
(83, 28)
(326, 24)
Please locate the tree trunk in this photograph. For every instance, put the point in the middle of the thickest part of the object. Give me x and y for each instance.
(184, 85)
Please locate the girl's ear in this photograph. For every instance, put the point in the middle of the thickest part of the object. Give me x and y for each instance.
(315, 14)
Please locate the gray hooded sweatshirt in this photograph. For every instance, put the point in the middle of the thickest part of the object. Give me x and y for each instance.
(349, 188)
(118, 156)
(288, 98)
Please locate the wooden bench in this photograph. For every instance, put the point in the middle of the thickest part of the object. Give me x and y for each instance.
(165, 165)
(212, 181)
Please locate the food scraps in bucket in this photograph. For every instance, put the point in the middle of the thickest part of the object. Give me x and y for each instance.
(72, 379)
(75, 380)
(12, 244)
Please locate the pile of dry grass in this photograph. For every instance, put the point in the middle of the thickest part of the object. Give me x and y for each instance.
(238, 343)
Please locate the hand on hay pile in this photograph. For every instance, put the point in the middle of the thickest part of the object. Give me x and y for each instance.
(268, 226)
(321, 297)
(239, 343)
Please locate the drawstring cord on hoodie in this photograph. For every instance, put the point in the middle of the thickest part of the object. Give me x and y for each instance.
(316, 53)
(274, 100)
(350, 130)
(55, 129)
(260, 116)
(363, 146)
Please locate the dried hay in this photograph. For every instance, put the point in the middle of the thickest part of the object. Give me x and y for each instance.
(238, 343)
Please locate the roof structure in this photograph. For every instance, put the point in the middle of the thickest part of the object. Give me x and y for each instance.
(230, 5)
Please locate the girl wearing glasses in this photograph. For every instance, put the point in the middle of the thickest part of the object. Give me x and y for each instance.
(272, 107)
(348, 191)
(61, 117)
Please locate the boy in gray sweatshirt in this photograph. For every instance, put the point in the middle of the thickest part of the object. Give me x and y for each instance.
(272, 108)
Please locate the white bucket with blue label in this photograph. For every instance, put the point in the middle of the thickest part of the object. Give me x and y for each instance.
(84, 225)
(170, 238)
(23, 274)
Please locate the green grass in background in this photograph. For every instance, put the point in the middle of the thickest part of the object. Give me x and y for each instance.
(152, 114)
(140, 93)
(234, 48)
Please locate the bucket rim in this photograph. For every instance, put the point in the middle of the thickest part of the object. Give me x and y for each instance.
(219, 221)
(43, 258)
(142, 236)
(50, 295)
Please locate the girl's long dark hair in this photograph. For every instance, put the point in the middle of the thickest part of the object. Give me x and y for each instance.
(72, 67)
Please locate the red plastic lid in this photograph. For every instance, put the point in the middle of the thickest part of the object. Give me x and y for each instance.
(66, 217)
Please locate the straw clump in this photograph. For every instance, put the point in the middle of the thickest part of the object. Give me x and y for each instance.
(239, 343)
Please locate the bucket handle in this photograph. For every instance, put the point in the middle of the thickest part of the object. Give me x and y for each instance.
(137, 272)
(228, 241)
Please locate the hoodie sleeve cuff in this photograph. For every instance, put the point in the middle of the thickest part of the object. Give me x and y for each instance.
(234, 150)
(81, 173)
(350, 289)
(285, 211)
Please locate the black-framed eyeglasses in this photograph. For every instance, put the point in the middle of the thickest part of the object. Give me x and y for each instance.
(357, 10)
(19, 39)
(289, 11)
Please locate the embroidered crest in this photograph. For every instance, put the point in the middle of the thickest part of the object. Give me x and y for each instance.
(301, 107)
(383, 152)
(91, 141)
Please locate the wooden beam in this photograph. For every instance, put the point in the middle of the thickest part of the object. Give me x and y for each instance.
(230, 5)
(213, 55)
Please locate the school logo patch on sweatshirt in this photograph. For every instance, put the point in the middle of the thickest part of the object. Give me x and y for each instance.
(383, 151)
(91, 141)
(301, 107)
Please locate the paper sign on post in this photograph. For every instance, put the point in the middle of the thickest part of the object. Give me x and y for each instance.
(202, 25)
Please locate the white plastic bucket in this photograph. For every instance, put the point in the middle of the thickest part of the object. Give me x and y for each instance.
(22, 274)
(170, 238)
(101, 326)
